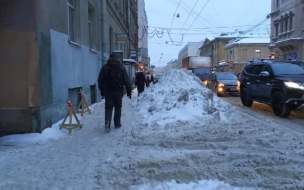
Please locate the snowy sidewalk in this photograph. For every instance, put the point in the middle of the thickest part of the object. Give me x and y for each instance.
(71, 162)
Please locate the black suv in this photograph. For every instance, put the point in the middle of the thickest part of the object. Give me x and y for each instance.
(277, 83)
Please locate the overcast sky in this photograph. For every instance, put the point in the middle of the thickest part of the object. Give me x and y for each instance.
(197, 20)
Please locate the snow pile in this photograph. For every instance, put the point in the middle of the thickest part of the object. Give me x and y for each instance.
(180, 96)
(36, 138)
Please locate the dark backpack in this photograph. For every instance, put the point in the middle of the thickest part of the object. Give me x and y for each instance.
(114, 79)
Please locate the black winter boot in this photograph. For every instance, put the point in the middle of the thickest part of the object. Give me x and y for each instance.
(107, 126)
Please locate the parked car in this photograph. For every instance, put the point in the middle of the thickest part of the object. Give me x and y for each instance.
(156, 78)
(223, 83)
(277, 83)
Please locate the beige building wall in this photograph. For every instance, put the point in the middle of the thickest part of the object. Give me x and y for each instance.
(244, 52)
(215, 49)
(221, 50)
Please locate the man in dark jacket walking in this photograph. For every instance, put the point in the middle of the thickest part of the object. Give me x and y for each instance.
(113, 88)
(140, 82)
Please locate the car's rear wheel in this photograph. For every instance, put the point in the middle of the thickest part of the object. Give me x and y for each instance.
(245, 98)
(278, 105)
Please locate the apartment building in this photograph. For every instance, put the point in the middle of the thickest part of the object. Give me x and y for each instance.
(214, 48)
(287, 29)
(51, 49)
(242, 50)
(143, 57)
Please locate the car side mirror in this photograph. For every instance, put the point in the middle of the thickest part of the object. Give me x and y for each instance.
(264, 74)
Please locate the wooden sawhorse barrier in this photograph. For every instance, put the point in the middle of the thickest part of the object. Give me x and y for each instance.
(83, 106)
(71, 113)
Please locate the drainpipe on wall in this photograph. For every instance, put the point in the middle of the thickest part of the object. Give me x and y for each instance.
(103, 36)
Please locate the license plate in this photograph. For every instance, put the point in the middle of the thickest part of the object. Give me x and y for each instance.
(233, 89)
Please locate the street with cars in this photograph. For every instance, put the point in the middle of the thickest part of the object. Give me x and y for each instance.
(274, 85)
(262, 109)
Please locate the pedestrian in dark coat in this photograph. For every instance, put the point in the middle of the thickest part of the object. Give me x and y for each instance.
(148, 79)
(152, 78)
(113, 93)
(140, 82)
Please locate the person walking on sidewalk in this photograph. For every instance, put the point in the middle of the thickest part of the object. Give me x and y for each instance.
(140, 82)
(112, 79)
(148, 79)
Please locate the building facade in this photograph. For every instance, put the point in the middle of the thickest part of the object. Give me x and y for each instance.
(287, 29)
(52, 49)
(242, 50)
(190, 49)
(143, 53)
(215, 49)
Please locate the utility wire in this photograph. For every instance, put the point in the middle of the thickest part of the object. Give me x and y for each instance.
(202, 20)
(174, 14)
(196, 18)
(170, 28)
(156, 27)
(188, 16)
(246, 31)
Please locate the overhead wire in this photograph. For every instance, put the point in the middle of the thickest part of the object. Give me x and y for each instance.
(259, 26)
(196, 18)
(245, 11)
(174, 14)
(170, 28)
(188, 16)
(201, 18)
(203, 28)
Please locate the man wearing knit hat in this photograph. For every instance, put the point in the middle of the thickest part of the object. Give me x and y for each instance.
(112, 80)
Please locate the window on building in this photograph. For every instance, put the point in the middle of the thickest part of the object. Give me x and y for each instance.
(126, 11)
(282, 25)
(244, 54)
(71, 20)
(286, 24)
(121, 5)
(276, 29)
(91, 25)
(111, 39)
(229, 56)
(258, 53)
(278, 3)
(291, 15)
(123, 8)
